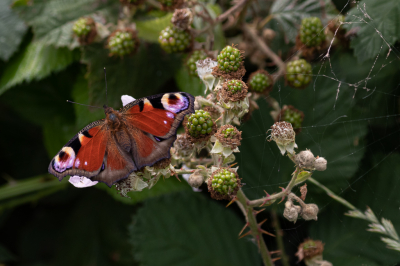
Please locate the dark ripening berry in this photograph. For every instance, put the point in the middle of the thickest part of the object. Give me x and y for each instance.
(174, 40)
(81, 27)
(121, 43)
(260, 82)
(200, 124)
(293, 117)
(234, 85)
(229, 59)
(224, 182)
(311, 32)
(298, 73)
(192, 59)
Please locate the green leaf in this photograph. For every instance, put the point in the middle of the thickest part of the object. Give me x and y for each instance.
(52, 20)
(139, 75)
(149, 30)
(12, 29)
(184, 232)
(34, 63)
(326, 131)
(347, 240)
(378, 27)
(163, 187)
(188, 83)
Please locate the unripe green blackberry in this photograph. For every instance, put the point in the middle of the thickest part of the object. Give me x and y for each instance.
(229, 132)
(298, 73)
(259, 82)
(81, 27)
(293, 116)
(224, 182)
(122, 42)
(229, 59)
(192, 59)
(311, 32)
(200, 124)
(234, 86)
(174, 40)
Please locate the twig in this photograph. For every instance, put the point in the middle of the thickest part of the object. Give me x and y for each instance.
(284, 193)
(265, 49)
(226, 14)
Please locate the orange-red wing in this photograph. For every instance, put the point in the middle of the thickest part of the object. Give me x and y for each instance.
(83, 155)
(159, 115)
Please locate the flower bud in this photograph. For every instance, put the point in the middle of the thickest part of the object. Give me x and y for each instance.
(196, 179)
(291, 211)
(320, 164)
(182, 18)
(309, 250)
(305, 159)
(284, 136)
(310, 212)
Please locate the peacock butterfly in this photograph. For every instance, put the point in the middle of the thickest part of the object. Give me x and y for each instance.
(138, 135)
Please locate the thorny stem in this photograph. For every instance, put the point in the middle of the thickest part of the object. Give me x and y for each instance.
(279, 239)
(284, 193)
(252, 221)
(332, 195)
(265, 49)
(230, 11)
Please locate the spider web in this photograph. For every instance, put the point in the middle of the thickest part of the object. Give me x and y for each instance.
(351, 119)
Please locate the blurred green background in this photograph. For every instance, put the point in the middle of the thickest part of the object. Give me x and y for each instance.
(351, 118)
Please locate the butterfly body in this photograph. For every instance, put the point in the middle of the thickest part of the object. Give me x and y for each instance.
(138, 135)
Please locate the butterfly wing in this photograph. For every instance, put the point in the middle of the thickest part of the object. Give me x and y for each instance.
(93, 153)
(152, 123)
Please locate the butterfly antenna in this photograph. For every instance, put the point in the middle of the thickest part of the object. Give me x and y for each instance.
(68, 101)
(105, 78)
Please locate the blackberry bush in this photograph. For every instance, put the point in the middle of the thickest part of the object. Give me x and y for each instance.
(192, 59)
(122, 42)
(311, 32)
(298, 73)
(229, 59)
(174, 40)
(200, 124)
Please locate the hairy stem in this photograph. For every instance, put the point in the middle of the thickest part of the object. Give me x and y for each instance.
(279, 239)
(255, 232)
(332, 195)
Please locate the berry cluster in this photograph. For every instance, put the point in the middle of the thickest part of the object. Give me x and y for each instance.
(293, 116)
(193, 58)
(260, 82)
(224, 182)
(174, 40)
(121, 43)
(229, 59)
(200, 123)
(229, 132)
(298, 73)
(234, 86)
(81, 27)
(311, 32)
